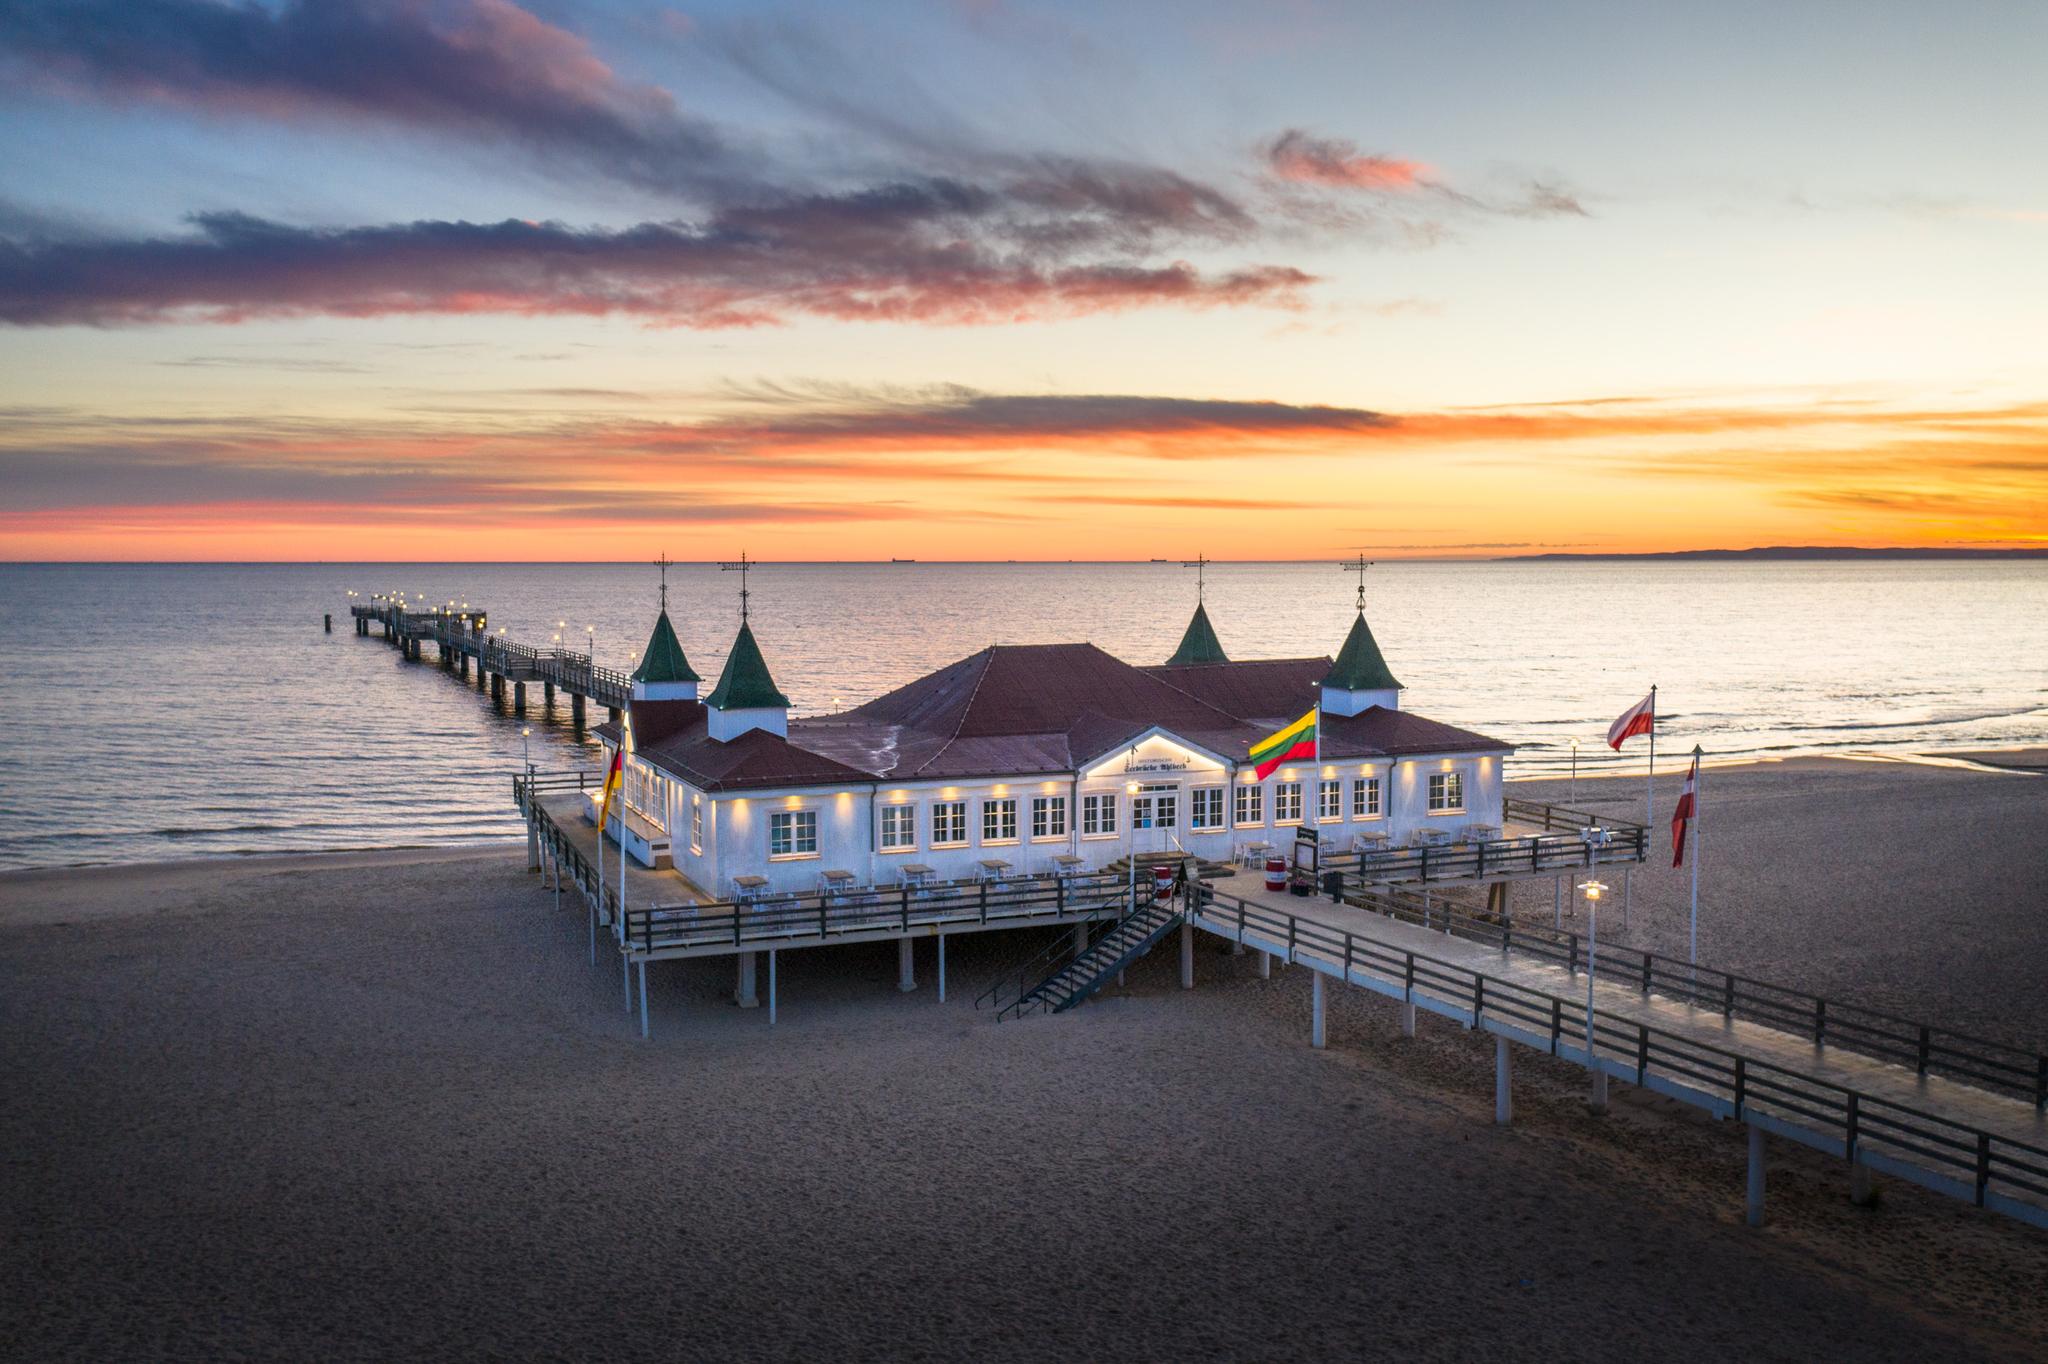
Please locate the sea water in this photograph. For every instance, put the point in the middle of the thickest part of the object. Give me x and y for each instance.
(166, 711)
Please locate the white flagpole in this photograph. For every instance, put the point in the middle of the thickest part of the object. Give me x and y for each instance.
(1699, 847)
(1650, 783)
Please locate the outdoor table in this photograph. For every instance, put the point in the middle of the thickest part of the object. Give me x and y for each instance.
(1482, 833)
(915, 874)
(746, 889)
(1432, 835)
(1066, 864)
(1369, 840)
(1257, 853)
(993, 868)
(835, 882)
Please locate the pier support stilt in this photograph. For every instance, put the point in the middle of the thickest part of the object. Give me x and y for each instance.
(328, 621)
(1754, 1203)
(547, 694)
(532, 846)
(1080, 938)
(906, 966)
(1407, 1018)
(942, 968)
(1624, 899)
(519, 698)
(643, 998)
(1187, 956)
(771, 987)
(1265, 965)
(626, 979)
(743, 990)
(1598, 1100)
(593, 933)
(1315, 1010)
(1557, 903)
(1503, 1090)
(611, 714)
(462, 665)
(1862, 1185)
(576, 709)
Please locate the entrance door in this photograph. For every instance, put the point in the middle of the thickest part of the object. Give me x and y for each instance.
(1155, 816)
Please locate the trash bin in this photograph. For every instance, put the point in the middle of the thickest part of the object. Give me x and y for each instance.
(1276, 874)
(1162, 883)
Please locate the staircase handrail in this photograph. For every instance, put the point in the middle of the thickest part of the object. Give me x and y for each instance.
(1016, 971)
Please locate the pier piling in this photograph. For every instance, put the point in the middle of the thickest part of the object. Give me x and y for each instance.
(906, 966)
(1503, 1094)
(1315, 1010)
(744, 990)
(327, 623)
(519, 698)
(576, 709)
(1754, 1212)
(1187, 956)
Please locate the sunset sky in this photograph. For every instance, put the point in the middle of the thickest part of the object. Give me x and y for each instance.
(466, 279)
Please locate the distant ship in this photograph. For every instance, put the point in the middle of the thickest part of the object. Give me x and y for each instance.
(903, 561)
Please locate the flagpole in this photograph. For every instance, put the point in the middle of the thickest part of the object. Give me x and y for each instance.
(1699, 847)
(1650, 783)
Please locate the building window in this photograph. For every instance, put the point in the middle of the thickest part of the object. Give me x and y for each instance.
(1048, 816)
(696, 824)
(1098, 816)
(899, 827)
(1446, 792)
(793, 833)
(1365, 798)
(1251, 805)
(949, 823)
(1205, 807)
(1329, 801)
(999, 821)
(1287, 802)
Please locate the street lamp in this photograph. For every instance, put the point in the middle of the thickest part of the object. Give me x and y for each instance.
(590, 631)
(1593, 890)
(526, 744)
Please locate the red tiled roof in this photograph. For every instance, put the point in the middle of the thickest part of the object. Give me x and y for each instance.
(1018, 710)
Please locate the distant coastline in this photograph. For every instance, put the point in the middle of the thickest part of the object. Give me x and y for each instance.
(1785, 552)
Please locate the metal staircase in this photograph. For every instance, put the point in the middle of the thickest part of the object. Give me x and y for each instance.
(1085, 972)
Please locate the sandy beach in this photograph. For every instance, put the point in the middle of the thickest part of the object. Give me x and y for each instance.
(380, 1105)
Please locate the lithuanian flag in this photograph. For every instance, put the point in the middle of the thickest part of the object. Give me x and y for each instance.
(612, 781)
(1298, 740)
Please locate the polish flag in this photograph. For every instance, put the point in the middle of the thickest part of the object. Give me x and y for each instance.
(1641, 718)
(1681, 818)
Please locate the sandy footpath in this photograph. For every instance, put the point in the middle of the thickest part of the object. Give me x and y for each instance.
(372, 1107)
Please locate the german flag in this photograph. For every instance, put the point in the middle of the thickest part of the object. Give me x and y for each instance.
(1298, 740)
(612, 781)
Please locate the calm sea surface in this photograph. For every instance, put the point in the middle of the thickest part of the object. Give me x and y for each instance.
(180, 711)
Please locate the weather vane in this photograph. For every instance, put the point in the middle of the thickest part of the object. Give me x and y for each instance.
(664, 563)
(1358, 566)
(1200, 563)
(743, 564)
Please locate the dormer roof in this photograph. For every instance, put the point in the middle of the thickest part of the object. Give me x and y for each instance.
(744, 683)
(1359, 666)
(663, 660)
(1199, 644)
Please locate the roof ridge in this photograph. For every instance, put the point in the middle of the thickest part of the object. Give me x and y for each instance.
(987, 655)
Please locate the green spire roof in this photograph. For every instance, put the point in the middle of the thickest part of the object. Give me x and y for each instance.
(745, 683)
(664, 661)
(1199, 644)
(1359, 666)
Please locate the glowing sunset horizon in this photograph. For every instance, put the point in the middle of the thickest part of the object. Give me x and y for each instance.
(368, 280)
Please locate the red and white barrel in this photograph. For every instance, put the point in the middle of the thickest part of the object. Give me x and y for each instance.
(1162, 883)
(1276, 873)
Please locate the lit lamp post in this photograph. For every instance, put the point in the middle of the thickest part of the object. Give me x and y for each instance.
(526, 744)
(1592, 890)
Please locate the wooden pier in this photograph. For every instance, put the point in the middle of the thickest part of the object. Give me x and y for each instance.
(462, 640)
(1963, 1116)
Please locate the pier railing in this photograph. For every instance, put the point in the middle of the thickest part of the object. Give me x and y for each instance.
(1946, 1154)
(1923, 1047)
(1501, 857)
(822, 916)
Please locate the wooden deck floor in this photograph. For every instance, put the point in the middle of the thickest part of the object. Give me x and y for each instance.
(2004, 1117)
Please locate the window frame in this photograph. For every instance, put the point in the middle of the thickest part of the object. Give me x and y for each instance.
(1106, 816)
(792, 820)
(1249, 794)
(907, 810)
(997, 807)
(1375, 808)
(1043, 809)
(1453, 785)
(1329, 800)
(1196, 797)
(1284, 793)
(958, 812)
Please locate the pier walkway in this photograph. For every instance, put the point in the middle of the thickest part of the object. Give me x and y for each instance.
(1986, 1142)
(461, 638)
